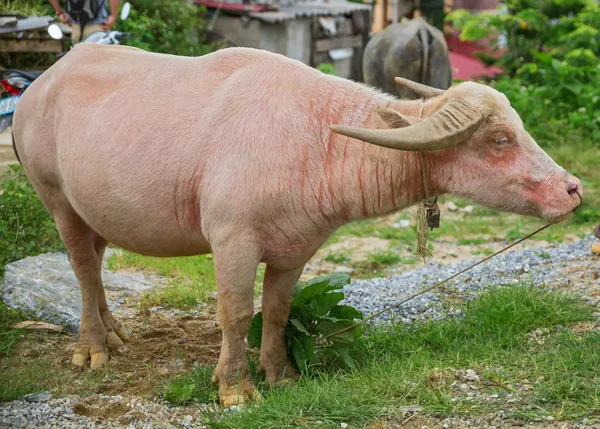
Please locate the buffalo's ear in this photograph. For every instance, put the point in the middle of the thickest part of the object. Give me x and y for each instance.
(395, 119)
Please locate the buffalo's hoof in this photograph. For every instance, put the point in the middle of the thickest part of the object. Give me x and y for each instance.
(97, 354)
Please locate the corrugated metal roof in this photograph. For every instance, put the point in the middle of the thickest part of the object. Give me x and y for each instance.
(286, 13)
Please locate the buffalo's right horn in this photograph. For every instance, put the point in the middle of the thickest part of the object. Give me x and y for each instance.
(419, 88)
(451, 125)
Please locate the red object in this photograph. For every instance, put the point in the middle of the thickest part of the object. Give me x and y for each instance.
(470, 68)
(468, 48)
(465, 65)
(12, 90)
(235, 7)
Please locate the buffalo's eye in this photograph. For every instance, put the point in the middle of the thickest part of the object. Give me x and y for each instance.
(500, 143)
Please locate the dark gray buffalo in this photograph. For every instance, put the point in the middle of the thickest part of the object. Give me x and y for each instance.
(413, 50)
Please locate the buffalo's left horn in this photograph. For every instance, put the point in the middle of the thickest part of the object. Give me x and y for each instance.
(452, 124)
(419, 88)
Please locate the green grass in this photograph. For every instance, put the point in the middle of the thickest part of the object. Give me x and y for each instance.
(396, 366)
(9, 335)
(337, 257)
(372, 228)
(191, 279)
(472, 240)
(385, 258)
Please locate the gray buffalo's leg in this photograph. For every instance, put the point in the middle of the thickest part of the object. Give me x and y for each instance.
(116, 334)
(278, 290)
(79, 241)
(236, 261)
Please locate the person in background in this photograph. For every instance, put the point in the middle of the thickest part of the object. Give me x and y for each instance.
(92, 15)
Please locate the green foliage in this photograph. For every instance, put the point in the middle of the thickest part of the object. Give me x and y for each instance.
(193, 387)
(552, 58)
(28, 7)
(26, 60)
(315, 314)
(327, 69)
(337, 257)
(8, 335)
(384, 258)
(174, 294)
(26, 228)
(171, 27)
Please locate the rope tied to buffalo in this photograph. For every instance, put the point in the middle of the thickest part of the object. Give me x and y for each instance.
(427, 289)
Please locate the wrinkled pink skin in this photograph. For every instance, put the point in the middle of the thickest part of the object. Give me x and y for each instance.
(231, 153)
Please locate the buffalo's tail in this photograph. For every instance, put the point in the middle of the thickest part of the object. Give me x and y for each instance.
(15, 147)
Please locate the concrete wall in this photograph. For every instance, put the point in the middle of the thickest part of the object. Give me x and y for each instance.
(242, 34)
(290, 38)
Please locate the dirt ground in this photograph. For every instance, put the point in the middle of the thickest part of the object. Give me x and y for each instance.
(163, 343)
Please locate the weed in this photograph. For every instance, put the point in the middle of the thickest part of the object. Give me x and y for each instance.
(385, 258)
(8, 335)
(516, 232)
(337, 257)
(26, 228)
(193, 387)
(472, 240)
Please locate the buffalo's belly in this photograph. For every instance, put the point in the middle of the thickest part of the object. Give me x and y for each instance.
(149, 233)
(137, 216)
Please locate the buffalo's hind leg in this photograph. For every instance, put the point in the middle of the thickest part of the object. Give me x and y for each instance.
(79, 240)
(278, 289)
(116, 334)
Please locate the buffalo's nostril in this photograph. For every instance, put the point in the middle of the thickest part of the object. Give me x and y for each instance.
(573, 189)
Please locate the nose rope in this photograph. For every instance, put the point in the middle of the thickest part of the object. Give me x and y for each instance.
(422, 158)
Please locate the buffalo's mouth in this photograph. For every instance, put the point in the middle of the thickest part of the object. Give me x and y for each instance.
(557, 218)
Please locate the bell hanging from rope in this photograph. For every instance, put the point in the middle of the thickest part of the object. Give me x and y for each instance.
(433, 214)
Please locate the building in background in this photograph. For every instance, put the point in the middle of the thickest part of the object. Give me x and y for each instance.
(314, 32)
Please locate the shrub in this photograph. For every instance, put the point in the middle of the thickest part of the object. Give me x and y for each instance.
(327, 68)
(315, 314)
(170, 27)
(26, 228)
(552, 57)
(26, 60)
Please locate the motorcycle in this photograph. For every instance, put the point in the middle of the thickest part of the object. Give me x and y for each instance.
(15, 82)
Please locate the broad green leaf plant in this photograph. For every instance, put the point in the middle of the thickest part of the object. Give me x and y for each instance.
(315, 314)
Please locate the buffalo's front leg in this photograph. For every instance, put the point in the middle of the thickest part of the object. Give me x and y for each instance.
(278, 290)
(235, 265)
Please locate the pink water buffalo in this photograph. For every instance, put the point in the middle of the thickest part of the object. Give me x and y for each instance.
(233, 153)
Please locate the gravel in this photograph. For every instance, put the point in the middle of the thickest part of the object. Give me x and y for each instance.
(541, 266)
(98, 411)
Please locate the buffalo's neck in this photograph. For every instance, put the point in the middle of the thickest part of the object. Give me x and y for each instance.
(361, 180)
